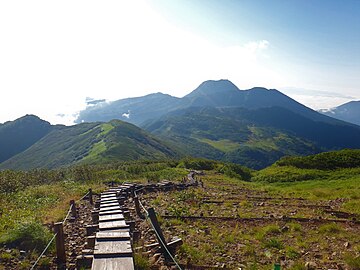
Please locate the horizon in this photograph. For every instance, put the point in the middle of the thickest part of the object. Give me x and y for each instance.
(55, 56)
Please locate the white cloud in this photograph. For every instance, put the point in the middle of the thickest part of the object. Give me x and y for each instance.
(55, 54)
(126, 115)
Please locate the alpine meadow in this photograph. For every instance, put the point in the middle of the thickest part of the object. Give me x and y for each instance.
(180, 135)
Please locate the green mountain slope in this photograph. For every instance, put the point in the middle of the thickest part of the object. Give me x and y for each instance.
(254, 138)
(18, 135)
(90, 143)
(334, 165)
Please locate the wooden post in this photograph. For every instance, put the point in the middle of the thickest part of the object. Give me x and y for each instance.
(73, 209)
(159, 234)
(137, 207)
(91, 196)
(60, 245)
(132, 191)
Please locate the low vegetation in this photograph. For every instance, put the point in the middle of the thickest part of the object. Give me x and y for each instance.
(31, 200)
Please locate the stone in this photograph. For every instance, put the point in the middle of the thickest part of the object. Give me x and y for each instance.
(310, 265)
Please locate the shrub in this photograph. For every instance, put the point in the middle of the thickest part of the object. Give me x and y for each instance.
(236, 171)
(274, 243)
(141, 262)
(197, 164)
(27, 236)
(352, 262)
(330, 228)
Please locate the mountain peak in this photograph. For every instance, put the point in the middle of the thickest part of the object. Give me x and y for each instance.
(213, 87)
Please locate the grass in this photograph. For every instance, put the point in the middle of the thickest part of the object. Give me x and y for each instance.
(27, 236)
(95, 151)
(352, 261)
(222, 145)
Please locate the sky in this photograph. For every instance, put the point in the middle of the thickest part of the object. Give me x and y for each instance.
(55, 55)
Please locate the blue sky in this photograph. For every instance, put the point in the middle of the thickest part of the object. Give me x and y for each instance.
(53, 55)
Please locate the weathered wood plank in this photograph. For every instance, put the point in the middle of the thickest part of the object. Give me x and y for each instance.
(107, 225)
(111, 217)
(110, 199)
(109, 195)
(123, 234)
(111, 212)
(107, 205)
(112, 248)
(107, 209)
(125, 263)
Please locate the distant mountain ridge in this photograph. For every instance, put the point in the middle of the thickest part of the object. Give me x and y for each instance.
(17, 136)
(217, 120)
(221, 93)
(252, 137)
(85, 143)
(349, 112)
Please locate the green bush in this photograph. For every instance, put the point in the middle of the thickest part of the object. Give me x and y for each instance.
(353, 262)
(27, 236)
(197, 164)
(324, 161)
(236, 171)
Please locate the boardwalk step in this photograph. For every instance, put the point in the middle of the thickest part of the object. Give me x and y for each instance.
(111, 217)
(125, 263)
(112, 225)
(113, 235)
(111, 212)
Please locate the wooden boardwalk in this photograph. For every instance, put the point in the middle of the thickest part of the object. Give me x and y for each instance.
(112, 248)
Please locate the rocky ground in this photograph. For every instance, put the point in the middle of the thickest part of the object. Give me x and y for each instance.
(230, 226)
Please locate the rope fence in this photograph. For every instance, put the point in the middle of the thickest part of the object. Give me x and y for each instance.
(42, 253)
(158, 236)
(71, 208)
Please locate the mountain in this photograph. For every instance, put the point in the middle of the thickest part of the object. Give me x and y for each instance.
(133, 110)
(349, 112)
(18, 135)
(90, 143)
(216, 94)
(253, 137)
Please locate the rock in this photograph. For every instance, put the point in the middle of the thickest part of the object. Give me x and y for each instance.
(347, 245)
(310, 265)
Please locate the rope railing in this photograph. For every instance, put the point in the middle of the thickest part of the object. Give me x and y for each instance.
(83, 197)
(164, 245)
(54, 236)
(42, 253)
(68, 213)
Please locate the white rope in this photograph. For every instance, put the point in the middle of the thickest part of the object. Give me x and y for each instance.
(68, 213)
(83, 196)
(157, 234)
(164, 245)
(38, 259)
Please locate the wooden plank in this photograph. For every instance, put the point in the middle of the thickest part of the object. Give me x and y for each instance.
(107, 209)
(108, 225)
(109, 195)
(125, 263)
(110, 204)
(111, 217)
(123, 234)
(108, 192)
(110, 199)
(114, 248)
(110, 212)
